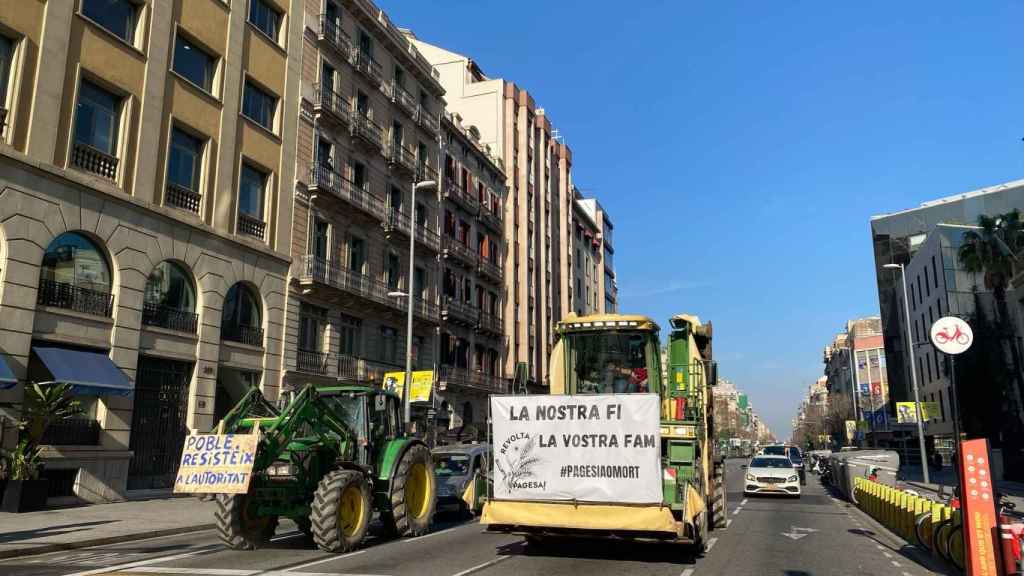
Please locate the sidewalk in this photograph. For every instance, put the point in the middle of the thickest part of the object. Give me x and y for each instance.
(945, 479)
(93, 525)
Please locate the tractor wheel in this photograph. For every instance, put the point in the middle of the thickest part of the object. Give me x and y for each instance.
(412, 494)
(238, 525)
(341, 511)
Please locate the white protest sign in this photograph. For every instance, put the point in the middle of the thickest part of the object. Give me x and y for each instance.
(216, 464)
(592, 448)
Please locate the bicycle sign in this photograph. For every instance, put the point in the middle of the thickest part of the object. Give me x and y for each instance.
(952, 335)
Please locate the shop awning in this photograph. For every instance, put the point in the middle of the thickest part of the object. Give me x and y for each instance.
(89, 373)
(7, 379)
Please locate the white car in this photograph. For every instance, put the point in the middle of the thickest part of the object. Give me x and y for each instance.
(771, 475)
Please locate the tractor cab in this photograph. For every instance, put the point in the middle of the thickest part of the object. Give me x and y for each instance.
(373, 415)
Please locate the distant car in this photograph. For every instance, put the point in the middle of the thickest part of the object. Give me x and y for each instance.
(774, 450)
(769, 474)
(797, 458)
(461, 472)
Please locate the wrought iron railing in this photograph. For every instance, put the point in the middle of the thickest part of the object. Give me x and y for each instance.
(402, 157)
(428, 120)
(398, 221)
(170, 318)
(490, 323)
(425, 171)
(311, 362)
(94, 160)
(355, 369)
(77, 298)
(72, 432)
(251, 226)
(492, 219)
(428, 237)
(366, 129)
(333, 34)
(182, 197)
(453, 308)
(489, 269)
(251, 335)
(466, 377)
(365, 64)
(459, 195)
(453, 247)
(323, 178)
(327, 100)
(404, 99)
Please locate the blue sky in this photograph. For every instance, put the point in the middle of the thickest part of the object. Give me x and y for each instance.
(741, 147)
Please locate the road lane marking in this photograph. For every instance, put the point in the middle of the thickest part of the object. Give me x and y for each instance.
(886, 554)
(879, 546)
(895, 563)
(737, 510)
(687, 572)
(711, 544)
(728, 523)
(479, 567)
(155, 560)
(204, 571)
(417, 538)
(744, 502)
(328, 559)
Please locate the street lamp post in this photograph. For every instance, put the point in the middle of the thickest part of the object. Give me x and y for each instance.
(913, 374)
(417, 185)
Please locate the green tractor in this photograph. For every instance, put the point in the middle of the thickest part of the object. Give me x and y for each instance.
(328, 460)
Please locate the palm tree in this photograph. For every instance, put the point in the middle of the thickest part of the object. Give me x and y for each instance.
(991, 252)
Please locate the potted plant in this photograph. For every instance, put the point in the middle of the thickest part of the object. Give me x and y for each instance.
(43, 405)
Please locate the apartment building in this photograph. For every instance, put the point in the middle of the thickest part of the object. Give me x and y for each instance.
(145, 221)
(368, 129)
(592, 268)
(540, 212)
(472, 338)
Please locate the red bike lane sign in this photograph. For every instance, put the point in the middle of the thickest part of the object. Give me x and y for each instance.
(952, 335)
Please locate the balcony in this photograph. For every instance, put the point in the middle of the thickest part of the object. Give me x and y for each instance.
(251, 335)
(490, 269)
(404, 100)
(428, 120)
(183, 198)
(457, 194)
(454, 310)
(453, 376)
(316, 269)
(336, 38)
(363, 370)
(491, 219)
(323, 180)
(169, 318)
(425, 172)
(90, 159)
(251, 226)
(366, 131)
(402, 159)
(311, 362)
(490, 324)
(331, 106)
(76, 298)
(367, 66)
(452, 248)
(398, 221)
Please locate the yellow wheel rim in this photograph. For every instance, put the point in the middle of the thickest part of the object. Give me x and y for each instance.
(417, 490)
(351, 510)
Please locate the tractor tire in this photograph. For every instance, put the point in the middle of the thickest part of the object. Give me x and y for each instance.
(238, 527)
(412, 497)
(341, 511)
(718, 510)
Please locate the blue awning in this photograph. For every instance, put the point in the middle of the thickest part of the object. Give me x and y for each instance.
(7, 379)
(89, 373)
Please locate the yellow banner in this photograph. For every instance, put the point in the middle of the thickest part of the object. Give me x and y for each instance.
(906, 414)
(422, 384)
(216, 464)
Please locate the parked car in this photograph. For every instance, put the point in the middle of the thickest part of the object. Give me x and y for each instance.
(461, 472)
(768, 474)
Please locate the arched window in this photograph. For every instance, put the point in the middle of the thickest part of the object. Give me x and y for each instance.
(170, 299)
(75, 275)
(241, 321)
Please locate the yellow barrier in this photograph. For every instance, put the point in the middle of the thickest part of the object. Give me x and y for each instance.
(898, 510)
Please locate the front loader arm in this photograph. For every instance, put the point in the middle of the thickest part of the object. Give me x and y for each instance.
(306, 412)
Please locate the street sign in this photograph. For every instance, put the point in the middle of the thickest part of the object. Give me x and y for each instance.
(952, 335)
(979, 511)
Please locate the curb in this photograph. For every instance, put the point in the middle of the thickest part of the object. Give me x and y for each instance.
(59, 546)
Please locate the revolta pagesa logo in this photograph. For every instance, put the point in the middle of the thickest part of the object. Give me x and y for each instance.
(517, 463)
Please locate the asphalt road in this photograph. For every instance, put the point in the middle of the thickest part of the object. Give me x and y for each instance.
(813, 535)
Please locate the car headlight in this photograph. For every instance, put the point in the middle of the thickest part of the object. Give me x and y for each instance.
(751, 478)
(793, 478)
(282, 469)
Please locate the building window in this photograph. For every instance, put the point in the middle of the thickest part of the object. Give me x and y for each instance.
(320, 235)
(252, 188)
(240, 320)
(392, 271)
(6, 64)
(118, 17)
(420, 283)
(259, 105)
(97, 120)
(357, 255)
(265, 18)
(170, 299)
(389, 344)
(184, 171)
(311, 323)
(75, 275)
(194, 64)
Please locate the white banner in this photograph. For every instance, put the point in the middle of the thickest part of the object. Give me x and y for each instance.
(592, 448)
